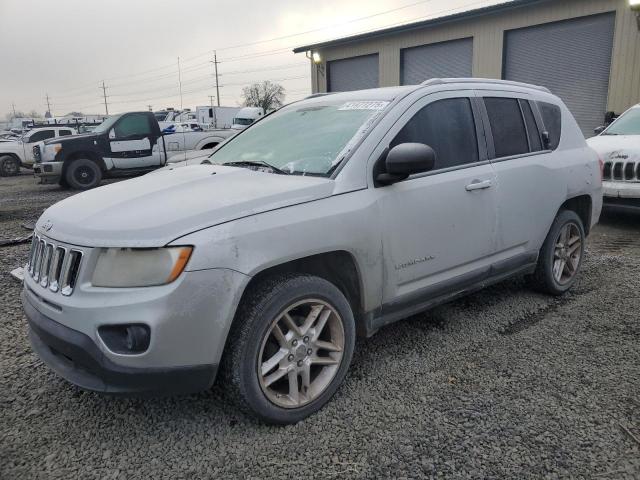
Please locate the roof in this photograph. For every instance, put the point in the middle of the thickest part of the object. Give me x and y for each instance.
(501, 7)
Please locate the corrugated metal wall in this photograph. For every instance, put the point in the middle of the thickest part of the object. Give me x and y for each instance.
(488, 34)
(571, 57)
(438, 60)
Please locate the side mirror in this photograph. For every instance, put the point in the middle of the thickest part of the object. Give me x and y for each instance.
(599, 130)
(406, 159)
(112, 134)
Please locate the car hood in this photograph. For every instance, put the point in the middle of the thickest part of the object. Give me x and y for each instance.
(190, 157)
(616, 147)
(153, 210)
(68, 138)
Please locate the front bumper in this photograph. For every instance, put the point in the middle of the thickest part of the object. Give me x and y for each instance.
(76, 358)
(188, 322)
(621, 194)
(48, 172)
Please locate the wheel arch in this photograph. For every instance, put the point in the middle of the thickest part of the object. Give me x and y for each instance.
(338, 267)
(88, 154)
(581, 205)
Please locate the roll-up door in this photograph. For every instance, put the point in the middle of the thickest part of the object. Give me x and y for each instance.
(438, 60)
(356, 73)
(572, 58)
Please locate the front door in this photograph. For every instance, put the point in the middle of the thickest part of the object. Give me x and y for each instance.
(439, 226)
(131, 142)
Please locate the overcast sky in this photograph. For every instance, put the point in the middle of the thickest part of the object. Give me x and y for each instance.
(66, 48)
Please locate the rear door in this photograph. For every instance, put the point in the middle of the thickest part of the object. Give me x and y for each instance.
(131, 142)
(438, 227)
(530, 180)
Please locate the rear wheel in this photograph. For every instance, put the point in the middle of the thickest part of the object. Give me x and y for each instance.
(290, 347)
(9, 166)
(83, 174)
(561, 255)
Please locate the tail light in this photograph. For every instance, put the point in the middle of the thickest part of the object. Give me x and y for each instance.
(601, 162)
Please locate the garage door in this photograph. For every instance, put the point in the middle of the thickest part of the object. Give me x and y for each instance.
(572, 58)
(438, 60)
(356, 73)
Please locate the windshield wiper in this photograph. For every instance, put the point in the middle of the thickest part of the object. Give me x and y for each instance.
(256, 163)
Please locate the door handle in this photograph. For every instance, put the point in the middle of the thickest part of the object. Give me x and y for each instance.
(478, 185)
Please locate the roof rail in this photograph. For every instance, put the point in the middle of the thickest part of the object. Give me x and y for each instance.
(442, 81)
(320, 94)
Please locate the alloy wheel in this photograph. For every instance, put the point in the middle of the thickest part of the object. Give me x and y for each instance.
(301, 353)
(567, 253)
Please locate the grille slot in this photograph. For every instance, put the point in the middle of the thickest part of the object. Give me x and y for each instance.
(54, 266)
(621, 171)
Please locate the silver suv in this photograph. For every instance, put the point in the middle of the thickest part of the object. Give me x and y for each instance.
(322, 222)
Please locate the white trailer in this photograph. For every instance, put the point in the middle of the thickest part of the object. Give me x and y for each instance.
(216, 117)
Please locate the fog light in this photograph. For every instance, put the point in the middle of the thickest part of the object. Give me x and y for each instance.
(125, 339)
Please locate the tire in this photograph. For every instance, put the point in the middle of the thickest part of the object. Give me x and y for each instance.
(322, 352)
(556, 253)
(83, 174)
(9, 166)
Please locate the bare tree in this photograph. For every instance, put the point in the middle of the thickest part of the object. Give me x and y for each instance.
(267, 95)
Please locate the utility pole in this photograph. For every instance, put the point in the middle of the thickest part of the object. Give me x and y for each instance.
(213, 112)
(104, 93)
(150, 108)
(48, 105)
(180, 82)
(13, 107)
(215, 66)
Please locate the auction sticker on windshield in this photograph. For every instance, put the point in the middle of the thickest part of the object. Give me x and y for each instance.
(368, 105)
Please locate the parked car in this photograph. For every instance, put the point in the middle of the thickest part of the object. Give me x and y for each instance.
(19, 153)
(332, 217)
(123, 144)
(619, 147)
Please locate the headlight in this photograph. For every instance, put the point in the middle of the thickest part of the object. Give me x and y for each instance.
(56, 147)
(139, 267)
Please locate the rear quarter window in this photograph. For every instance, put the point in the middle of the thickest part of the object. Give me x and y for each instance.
(552, 119)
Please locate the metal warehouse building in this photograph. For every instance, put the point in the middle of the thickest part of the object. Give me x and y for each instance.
(585, 51)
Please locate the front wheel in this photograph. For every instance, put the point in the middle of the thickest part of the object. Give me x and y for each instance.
(290, 347)
(83, 174)
(9, 166)
(561, 255)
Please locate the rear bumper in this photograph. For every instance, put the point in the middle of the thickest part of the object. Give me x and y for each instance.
(76, 358)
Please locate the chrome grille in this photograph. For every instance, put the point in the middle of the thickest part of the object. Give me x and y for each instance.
(54, 266)
(621, 171)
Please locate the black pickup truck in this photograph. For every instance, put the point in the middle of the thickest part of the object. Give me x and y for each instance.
(124, 144)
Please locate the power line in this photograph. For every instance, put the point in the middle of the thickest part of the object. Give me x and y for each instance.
(279, 51)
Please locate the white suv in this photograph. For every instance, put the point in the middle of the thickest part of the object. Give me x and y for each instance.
(323, 221)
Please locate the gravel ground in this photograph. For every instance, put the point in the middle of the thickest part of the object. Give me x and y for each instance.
(506, 383)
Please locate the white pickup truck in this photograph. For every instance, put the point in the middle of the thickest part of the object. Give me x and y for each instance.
(17, 153)
(124, 144)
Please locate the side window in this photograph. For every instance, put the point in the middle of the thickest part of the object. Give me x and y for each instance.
(532, 129)
(448, 127)
(42, 135)
(133, 125)
(507, 126)
(63, 133)
(552, 119)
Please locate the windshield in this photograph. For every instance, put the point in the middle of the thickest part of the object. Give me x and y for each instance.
(303, 139)
(107, 124)
(242, 121)
(627, 124)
